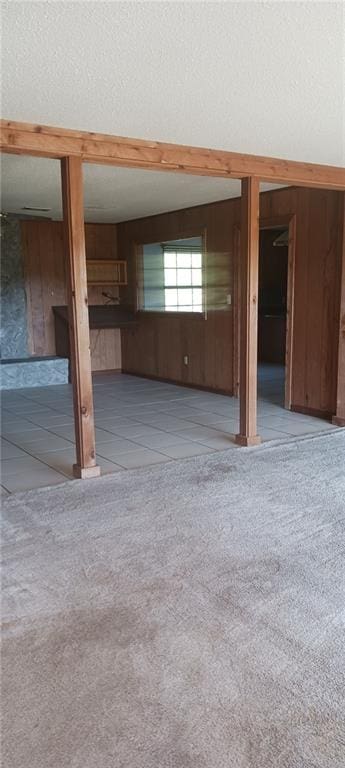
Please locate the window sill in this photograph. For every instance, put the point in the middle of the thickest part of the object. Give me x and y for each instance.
(174, 315)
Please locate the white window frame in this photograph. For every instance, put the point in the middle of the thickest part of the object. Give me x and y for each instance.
(175, 286)
(164, 310)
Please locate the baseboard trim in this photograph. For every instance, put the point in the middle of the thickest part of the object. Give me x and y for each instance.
(327, 415)
(178, 383)
(338, 421)
(107, 370)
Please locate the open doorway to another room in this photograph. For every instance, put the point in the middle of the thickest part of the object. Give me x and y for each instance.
(273, 314)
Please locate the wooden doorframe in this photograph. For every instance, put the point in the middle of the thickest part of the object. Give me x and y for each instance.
(272, 222)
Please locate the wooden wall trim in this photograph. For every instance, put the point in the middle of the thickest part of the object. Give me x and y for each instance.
(339, 417)
(54, 142)
(290, 312)
(236, 304)
(316, 412)
(249, 312)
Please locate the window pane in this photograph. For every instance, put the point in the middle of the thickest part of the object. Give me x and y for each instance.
(172, 280)
(170, 260)
(152, 278)
(184, 277)
(197, 296)
(170, 297)
(184, 260)
(185, 296)
(196, 276)
(196, 260)
(170, 276)
(154, 299)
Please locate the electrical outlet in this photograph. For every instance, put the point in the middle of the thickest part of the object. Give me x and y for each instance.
(186, 360)
(228, 299)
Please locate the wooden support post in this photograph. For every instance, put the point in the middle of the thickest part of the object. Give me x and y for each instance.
(249, 270)
(339, 418)
(73, 213)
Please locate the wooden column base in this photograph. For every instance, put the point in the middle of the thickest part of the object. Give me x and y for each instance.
(246, 442)
(85, 473)
(338, 421)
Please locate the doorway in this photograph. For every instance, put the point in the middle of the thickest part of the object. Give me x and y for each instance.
(275, 310)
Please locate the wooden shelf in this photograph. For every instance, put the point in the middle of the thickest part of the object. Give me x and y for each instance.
(106, 272)
(100, 316)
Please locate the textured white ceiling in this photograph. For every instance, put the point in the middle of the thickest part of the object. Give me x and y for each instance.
(255, 77)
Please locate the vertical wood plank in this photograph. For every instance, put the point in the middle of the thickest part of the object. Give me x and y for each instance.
(290, 309)
(339, 418)
(249, 311)
(73, 214)
(27, 282)
(236, 303)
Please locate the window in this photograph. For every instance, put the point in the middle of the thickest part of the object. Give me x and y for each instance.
(182, 279)
(173, 276)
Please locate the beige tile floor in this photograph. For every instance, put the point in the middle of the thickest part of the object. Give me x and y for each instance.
(138, 423)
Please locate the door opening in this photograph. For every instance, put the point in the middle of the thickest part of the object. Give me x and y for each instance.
(272, 312)
(275, 309)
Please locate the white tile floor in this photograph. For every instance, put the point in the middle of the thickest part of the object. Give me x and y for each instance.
(138, 422)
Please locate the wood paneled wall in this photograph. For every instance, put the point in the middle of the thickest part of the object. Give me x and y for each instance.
(160, 342)
(317, 296)
(45, 282)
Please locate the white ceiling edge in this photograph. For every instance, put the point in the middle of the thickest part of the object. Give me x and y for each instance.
(111, 194)
(257, 77)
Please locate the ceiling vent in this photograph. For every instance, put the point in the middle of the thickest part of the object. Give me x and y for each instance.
(37, 210)
(100, 207)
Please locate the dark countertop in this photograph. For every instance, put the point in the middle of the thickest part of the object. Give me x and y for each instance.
(103, 316)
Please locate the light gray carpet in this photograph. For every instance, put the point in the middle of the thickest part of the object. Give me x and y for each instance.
(184, 616)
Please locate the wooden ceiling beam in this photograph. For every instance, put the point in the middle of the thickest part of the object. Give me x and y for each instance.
(46, 141)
